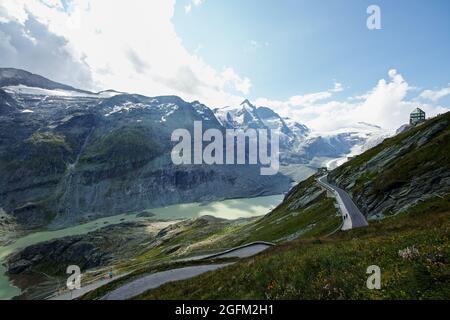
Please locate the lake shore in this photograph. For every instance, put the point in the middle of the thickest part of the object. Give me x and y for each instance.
(227, 209)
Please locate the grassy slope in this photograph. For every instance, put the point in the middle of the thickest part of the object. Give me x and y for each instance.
(102, 291)
(128, 144)
(199, 237)
(336, 267)
(204, 236)
(414, 162)
(315, 218)
(44, 153)
(333, 267)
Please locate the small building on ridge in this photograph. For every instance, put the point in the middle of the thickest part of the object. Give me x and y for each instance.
(417, 116)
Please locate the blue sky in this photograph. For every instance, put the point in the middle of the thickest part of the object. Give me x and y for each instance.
(311, 60)
(303, 46)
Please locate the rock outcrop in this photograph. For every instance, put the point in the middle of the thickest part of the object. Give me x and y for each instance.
(401, 172)
(75, 155)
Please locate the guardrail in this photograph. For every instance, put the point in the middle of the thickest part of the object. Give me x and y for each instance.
(270, 244)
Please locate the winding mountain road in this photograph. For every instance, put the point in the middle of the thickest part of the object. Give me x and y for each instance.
(71, 295)
(151, 281)
(154, 280)
(352, 216)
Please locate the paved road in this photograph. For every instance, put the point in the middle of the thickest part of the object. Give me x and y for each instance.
(87, 288)
(154, 280)
(244, 251)
(353, 218)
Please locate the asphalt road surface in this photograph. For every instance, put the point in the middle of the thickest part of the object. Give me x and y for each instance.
(353, 218)
(155, 280)
(87, 288)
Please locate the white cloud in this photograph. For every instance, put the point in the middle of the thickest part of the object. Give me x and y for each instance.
(306, 99)
(386, 105)
(242, 85)
(254, 45)
(33, 47)
(435, 95)
(193, 3)
(133, 48)
(53, 4)
(338, 87)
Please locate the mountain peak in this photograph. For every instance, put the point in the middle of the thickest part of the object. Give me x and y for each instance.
(247, 103)
(17, 77)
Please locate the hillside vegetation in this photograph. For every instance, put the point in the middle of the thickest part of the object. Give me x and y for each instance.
(335, 268)
(305, 212)
(402, 171)
(312, 259)
(404, 181)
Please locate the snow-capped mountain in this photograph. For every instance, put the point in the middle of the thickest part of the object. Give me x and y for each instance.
(298, 144)
(243, 117)
(248, 116)
(368, 135)
(344, 143)
(7, 104)
(82, 155)
(403, 128)
(109, 152)
(10, 77)
(17, 81)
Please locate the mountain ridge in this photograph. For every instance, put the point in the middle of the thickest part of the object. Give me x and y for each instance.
(14, 77)
(71, 156)
(311, 253)
(409, 242)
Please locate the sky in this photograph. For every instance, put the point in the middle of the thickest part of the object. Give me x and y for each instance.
(314, 61)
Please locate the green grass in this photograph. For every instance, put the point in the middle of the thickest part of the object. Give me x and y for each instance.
(335, 268)
(317, 267)
(204, 236)
(132, 144)
(314, 219)
(100, 292)
(43, 154)
(414, 161)
(318, 219)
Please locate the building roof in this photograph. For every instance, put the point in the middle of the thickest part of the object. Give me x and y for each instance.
(417, 110)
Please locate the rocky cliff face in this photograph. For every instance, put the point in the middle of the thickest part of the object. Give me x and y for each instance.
(67, 156)
(298, 144)
(7, 104)
(68, 163)
(121, 244)
(402, 171)
(17, 77)
(88, 251)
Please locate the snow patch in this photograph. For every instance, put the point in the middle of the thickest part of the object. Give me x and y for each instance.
(21, 89)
